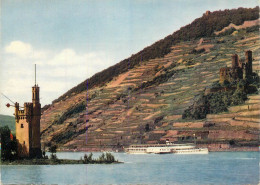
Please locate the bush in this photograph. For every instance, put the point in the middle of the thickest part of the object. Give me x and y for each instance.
(194, 51)
(103, 158)
(54, 157)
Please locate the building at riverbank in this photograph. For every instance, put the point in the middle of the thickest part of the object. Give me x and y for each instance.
(27, 122)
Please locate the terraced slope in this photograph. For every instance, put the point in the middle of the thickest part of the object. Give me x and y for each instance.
(145, 104)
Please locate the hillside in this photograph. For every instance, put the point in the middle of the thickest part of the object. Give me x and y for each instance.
(144, 103)
(205, 26)
(7, 121)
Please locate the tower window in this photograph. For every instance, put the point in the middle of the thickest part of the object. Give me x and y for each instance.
(21, 125)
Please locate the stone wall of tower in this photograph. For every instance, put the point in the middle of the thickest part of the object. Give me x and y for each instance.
(238, 70)
(224, 74)
(23, 120)
(36, 139)
(248, 63)
(235, 61)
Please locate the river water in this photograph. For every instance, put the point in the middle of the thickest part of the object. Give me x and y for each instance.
(214, 168)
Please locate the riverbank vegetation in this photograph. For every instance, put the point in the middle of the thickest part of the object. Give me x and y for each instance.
(9, 154)
(104, 158)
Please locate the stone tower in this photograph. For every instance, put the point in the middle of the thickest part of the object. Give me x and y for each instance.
(248, 63)
(27, 122)
(235, 63)
(36, 140)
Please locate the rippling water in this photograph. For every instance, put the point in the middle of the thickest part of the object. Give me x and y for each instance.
(214, 168)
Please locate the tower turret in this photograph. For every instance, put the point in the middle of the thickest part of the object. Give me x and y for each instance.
(35, 94)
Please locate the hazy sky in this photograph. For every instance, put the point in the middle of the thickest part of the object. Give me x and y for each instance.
(70, 40)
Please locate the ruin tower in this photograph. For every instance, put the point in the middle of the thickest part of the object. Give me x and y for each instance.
(207, 13)
(27, 122)
(235, 63)
(248, 63)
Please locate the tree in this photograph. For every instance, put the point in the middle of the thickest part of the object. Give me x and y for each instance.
(147, 128)
(88, 159)
(110, 158)
(9, 146)
(53, 149)
(101, 158)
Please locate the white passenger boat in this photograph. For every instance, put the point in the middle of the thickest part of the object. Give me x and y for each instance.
(165, 149)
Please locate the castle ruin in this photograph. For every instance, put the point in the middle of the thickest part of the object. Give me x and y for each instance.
(241, 69)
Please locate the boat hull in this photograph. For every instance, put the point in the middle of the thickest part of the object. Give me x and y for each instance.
(193, 151)
(165, 149)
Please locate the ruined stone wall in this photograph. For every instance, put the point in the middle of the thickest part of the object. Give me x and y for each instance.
(224, 74)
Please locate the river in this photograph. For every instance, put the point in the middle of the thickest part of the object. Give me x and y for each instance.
(214, 168)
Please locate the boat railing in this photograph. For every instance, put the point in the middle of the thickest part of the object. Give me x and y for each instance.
(159, 145)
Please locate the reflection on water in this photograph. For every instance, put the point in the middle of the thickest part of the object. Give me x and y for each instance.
(215, 168)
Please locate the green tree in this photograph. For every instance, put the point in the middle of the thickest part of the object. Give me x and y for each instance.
(53, 150)
(9, 147)
(110, 158)
(88, 158)
(101, 158)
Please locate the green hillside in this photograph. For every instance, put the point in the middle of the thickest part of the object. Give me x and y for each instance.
(145, 103)
(7, 121)
(201, 27)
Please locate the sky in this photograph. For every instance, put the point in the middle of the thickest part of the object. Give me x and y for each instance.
(71, 40)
